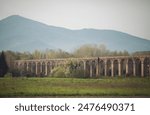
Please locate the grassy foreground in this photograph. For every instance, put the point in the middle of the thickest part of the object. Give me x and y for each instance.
(74, 87)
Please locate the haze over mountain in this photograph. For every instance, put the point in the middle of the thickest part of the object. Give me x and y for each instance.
(21, 34)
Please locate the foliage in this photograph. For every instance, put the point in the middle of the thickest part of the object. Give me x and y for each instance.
(58, 72)
(87, 50)
(91, 50)
(70, 69)
(73, 69)
(49, 54)
(142, 53)
(3, 65)
(8, 75)
(16, 72)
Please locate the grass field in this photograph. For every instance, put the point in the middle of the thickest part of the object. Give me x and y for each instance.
(74, 87)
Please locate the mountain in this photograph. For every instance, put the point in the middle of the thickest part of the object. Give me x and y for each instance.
(21, 34)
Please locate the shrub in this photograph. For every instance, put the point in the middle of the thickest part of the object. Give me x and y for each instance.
(8, 75)
(58, 72)
(71, 69)
(15, 72)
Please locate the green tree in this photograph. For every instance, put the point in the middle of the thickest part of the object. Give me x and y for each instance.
(36, 54)
(58, 72)
(3, 65)
(70, 69)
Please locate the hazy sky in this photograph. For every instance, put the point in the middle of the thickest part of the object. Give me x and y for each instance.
(130, 16)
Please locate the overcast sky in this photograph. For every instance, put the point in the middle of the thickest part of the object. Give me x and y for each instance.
(130, 16)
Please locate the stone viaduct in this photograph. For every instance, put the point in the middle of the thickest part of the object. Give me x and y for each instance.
(92, 67)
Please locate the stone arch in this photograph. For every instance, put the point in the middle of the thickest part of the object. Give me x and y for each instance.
(16, 65)
(21, 66)
(29, 67)
(25, 67)
(43, 68)
(147, 67)
(108, 63)
(38, 68)
(93, 68)
(34, 68)
(87, 69)
(137, 67)
(123, 67)
(101, 68)
(116, 71)
(130, 67)
(53, 64)
(79, 69)
(48, 68)
(81, 65)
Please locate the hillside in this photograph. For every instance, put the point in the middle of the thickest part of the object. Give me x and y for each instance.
(21, 34)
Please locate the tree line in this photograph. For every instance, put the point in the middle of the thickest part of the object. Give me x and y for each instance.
(87, 50)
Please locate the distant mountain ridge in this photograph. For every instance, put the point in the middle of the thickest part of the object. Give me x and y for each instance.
(21, 34)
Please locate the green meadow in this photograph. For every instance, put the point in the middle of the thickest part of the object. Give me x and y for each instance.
(74, 87)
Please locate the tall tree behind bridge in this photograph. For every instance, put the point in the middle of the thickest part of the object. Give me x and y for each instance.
(94, 50)
(3, 65)
(91, 50)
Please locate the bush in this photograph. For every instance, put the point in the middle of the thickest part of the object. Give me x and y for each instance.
(15, 73)
(74, 72)
(70, 70)
(8, 75)
(58, 72)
